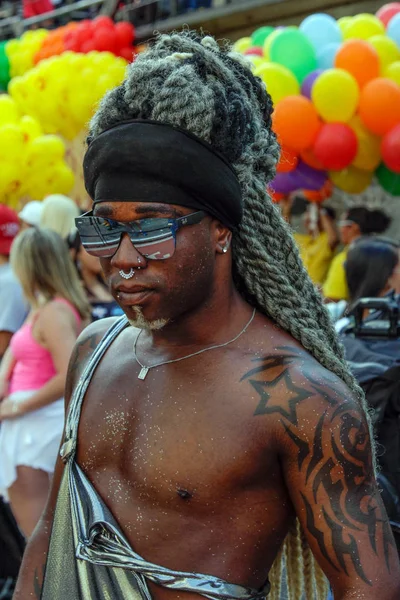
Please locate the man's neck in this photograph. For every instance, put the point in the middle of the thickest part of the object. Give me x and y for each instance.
(3, 259)
(215, 321)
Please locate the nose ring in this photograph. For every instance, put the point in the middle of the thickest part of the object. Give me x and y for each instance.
(128, 275)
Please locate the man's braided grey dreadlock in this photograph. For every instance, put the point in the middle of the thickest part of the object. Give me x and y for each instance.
(189, 81)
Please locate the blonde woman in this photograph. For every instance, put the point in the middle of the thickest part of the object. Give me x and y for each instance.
(58, 214)
(33, 371)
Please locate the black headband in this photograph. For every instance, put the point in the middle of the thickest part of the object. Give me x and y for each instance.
(147, 161)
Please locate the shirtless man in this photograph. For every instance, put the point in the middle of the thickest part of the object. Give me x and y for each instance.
(221, 427)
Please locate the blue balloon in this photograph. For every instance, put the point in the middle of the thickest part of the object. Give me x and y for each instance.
(326, 56)
(393, 30)
(321, 30)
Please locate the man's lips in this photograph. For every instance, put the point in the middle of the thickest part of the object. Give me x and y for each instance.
(131, 295)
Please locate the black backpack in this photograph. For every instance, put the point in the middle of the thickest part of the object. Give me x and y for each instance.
(373, 349)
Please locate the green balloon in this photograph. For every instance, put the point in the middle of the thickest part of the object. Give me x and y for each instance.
(389, 180)
(4, 68)
(260, 35)
(292, 49)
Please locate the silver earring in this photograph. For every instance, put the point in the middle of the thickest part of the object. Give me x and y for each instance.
(139, 260)
(128, 275)
(225, 250)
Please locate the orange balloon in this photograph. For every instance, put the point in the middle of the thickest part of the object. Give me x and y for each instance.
(319, 195)
(295, 122)
(288, 161)
(276, 197)
(360, 59)
(380, 105)
(311, 160)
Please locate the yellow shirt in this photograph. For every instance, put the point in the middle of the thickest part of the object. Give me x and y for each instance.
(316, 255)
(335, 286)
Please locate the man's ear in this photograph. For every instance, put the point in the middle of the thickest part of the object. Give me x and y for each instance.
(223, 238)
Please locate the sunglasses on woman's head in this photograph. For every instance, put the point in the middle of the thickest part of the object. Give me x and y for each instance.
(153, 238)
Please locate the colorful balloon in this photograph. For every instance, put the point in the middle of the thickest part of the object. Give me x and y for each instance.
(293, 50)
(296, 123)
(254, 51)
(359, 59)
(279, 81)
(393, 30)
(391, 149)
(387, 12)
(343, 24)
(393, 72)
(363, 27)
(321, 30)
(335, 95)
(326, 56)
(260, 35)
(388, 180)
(369, 146)
(288, 160)
(387, 50)
(380, 105)
(308, 83)
(336, 146)
(242, 45)
(351, 180)
(308, 157)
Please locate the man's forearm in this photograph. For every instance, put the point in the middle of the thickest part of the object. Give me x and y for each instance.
(30, 579)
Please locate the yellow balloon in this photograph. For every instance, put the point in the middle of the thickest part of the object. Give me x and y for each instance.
(343, 24)
(30, 128)
(279, 81)
(45, 149)
(255, 62)
(11, 142)
(335, 95)
(363, 27)
(61, 180)
(393, 72)
(9, 112)
(9, 173)
(369, 146)
(242, 45)
(386, 48)
(351, 180)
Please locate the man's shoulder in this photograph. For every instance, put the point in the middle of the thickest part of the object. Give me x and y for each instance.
(289, 381)
(85, 345)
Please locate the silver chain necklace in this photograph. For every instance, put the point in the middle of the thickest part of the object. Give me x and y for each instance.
(144, 370)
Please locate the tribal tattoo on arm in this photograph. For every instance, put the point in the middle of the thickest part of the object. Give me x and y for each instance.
(328, 463)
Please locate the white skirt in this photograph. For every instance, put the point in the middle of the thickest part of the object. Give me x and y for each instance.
(31, 440)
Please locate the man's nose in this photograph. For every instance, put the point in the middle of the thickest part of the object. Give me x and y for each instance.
(127, 256)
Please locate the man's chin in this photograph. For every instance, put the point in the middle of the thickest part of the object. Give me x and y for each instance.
(138, 320)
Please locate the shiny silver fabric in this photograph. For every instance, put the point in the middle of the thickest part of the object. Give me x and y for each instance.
(89, 558)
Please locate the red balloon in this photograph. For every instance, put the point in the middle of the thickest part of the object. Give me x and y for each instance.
(103, 22)
(336, 146)
(88, 46)
(127, 53)
(125, 34)
(72, 44)
(391, 149)
(387, 12)
(83, 33)
(105, 40)
(254, 51)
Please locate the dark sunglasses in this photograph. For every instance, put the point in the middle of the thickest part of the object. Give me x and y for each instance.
(153, 238)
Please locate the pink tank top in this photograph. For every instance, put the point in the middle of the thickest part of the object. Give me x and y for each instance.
(34, 364)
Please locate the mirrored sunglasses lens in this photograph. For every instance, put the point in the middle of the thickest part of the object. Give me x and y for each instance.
(159, 249)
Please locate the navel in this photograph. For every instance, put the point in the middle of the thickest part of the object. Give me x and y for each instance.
(184, 494)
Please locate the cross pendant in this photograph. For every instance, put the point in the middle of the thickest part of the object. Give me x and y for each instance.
(143, 373)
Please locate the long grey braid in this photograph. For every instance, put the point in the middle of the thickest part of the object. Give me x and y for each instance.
(189, 81)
